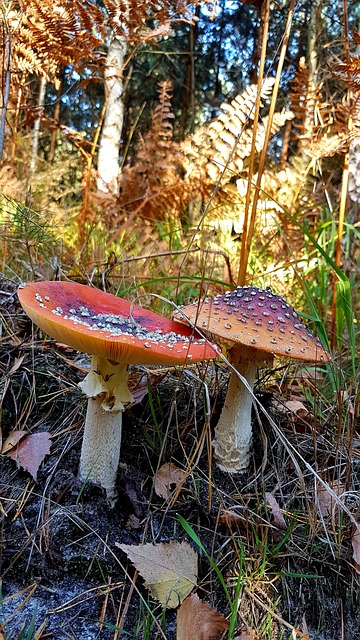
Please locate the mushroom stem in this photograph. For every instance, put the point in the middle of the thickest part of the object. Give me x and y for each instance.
(233, 431)
(106, 386)
(100, 451)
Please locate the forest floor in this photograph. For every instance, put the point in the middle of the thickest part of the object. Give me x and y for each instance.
(273, 530)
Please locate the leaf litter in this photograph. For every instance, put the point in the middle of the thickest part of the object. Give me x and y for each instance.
(62, 535)
(168, 568)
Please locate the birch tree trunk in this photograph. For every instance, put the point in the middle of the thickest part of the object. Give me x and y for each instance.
(36, 129)
(6, 91)
(55, 131)
(110, 139)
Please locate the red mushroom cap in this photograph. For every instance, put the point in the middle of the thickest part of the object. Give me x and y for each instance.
(99, 323)
(256, 318)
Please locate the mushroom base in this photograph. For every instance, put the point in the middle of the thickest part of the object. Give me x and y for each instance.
(233, 432)
(100, 451)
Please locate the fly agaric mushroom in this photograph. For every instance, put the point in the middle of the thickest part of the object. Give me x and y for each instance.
(115, 333)
(255, 325)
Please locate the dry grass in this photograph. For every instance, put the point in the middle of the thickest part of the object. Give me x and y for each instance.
(280, 534)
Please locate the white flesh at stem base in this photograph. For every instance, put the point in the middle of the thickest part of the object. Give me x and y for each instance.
(106, 386)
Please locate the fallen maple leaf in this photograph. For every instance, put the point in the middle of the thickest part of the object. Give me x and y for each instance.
(165, 478)
(30, 451)
(168, 568)
(197, 620)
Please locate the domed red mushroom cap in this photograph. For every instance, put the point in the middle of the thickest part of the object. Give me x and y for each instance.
(256, 318)
(99, 323)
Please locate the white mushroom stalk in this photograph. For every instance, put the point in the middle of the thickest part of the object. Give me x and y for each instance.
(106, 386)
(233, 432)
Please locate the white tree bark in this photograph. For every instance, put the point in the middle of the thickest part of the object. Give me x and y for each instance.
(36, 129)
(110, 139)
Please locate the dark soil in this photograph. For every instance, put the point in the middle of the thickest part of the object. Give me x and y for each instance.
(63, 575)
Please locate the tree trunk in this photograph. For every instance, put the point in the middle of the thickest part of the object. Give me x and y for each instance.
(36, 129)
(55, 131)
(6, 92)
(110, 139)
(187, 115)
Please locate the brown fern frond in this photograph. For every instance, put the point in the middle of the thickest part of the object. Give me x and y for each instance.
(141, 21)
(45, 35)
(227, 141)
(311, 114)
(152, 187)
(349, 71)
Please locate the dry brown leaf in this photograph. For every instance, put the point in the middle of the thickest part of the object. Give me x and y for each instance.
(168, 568)
(166, 479)
(31, 451)
(246, 634)
(16, 365)
(278, 518)
(297, 407)
(139, 385)
(231, 518)
(356, 547)
(197, 620)
(326, 502)
(12, 440)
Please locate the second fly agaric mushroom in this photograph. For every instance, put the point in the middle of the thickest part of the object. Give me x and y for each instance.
(116, 333)
(255, 324)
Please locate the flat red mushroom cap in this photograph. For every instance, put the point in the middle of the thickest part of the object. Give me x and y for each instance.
(256, 318)
(99, 323)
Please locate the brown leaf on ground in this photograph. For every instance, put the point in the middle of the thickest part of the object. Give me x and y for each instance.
(12, 440)
(197, 620)
(278, 518)
(16, 365)
(326, 502)
(356, 547)
(167, 478)
(139, 385)
(246, 634)
(30, 451)
(297, 407)
(231, 518)
(168, 568)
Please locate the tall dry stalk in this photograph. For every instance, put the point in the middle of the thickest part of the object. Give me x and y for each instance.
(248, 231)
